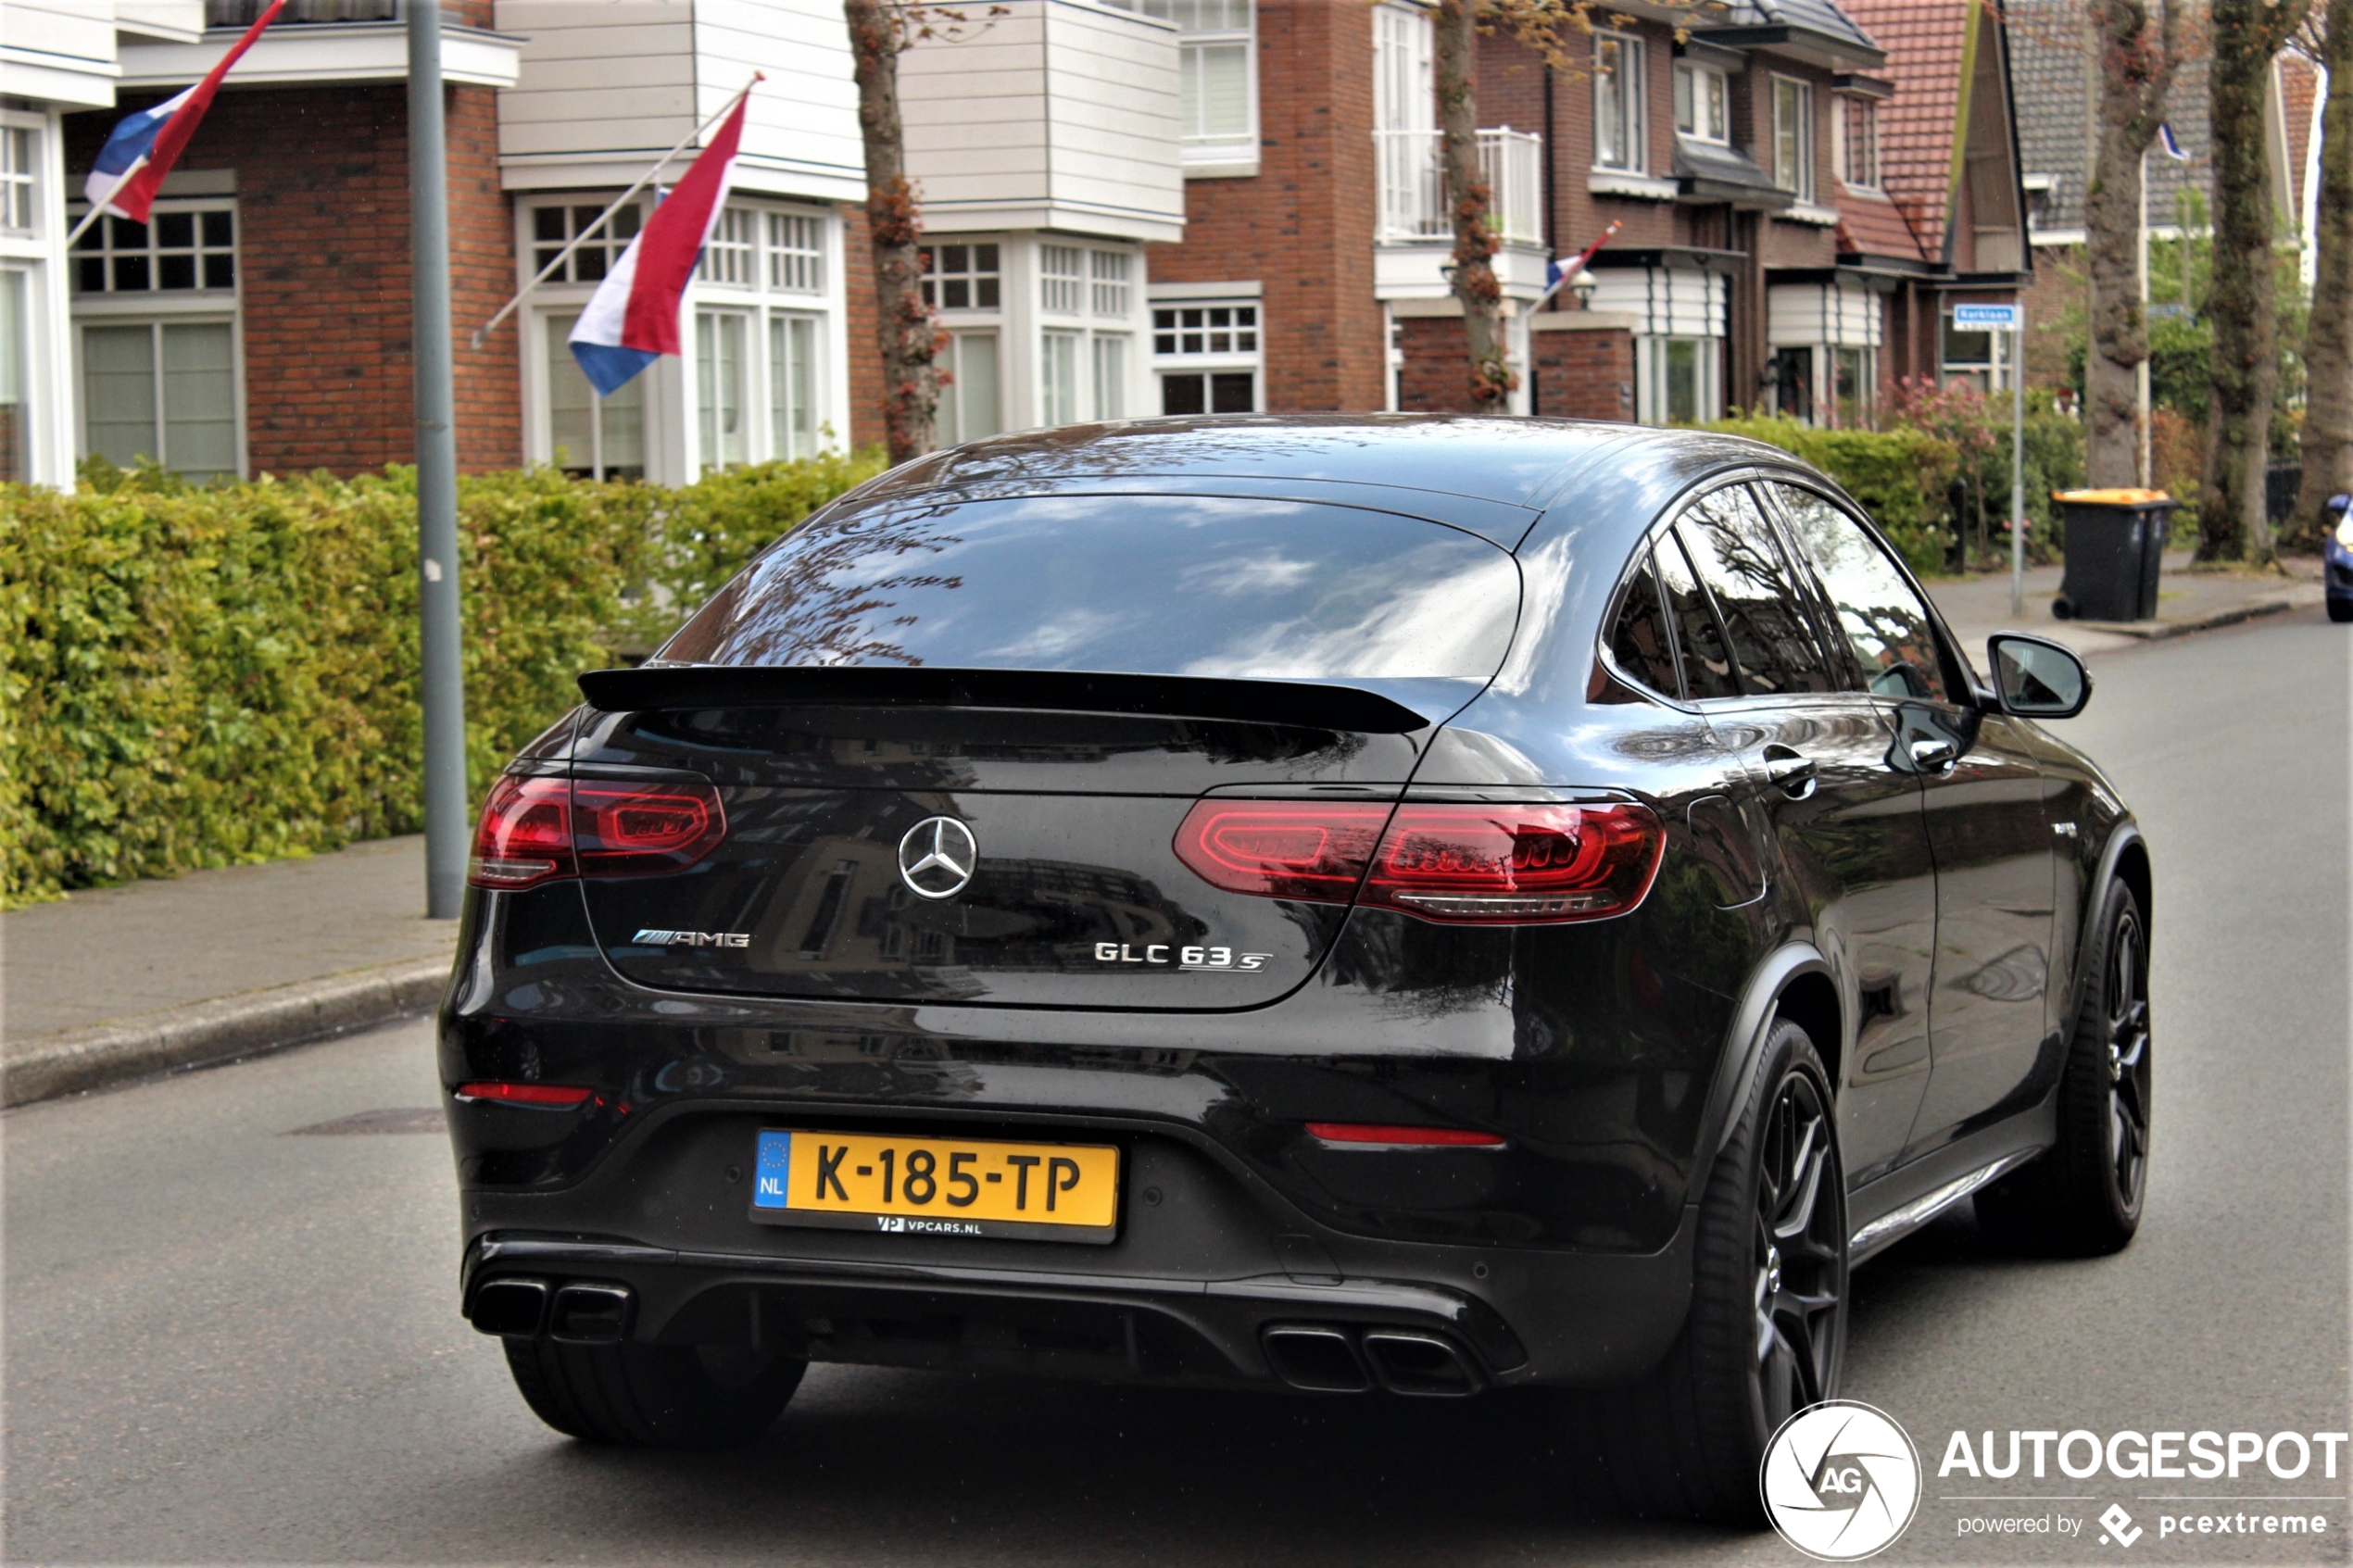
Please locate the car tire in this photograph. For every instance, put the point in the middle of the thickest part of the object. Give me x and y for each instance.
(2083, 1197)
(654, 1396)
(1767, 1331)
(2341, 609)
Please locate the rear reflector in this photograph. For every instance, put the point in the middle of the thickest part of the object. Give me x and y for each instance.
(537, 830)
(1433, 1137)
(525, 1093)
(1502, 864)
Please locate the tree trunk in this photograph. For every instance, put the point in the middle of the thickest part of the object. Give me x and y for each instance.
(2242, 301)
(2328, 339)
(904, 334)
(1468, 200)
(2136, 64)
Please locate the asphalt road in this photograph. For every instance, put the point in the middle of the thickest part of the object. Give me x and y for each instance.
(229, 1338)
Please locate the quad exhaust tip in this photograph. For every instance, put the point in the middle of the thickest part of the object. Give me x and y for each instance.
(575, 1314)
(1329, 1358)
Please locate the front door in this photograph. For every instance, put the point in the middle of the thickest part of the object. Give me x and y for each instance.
(1986, 824)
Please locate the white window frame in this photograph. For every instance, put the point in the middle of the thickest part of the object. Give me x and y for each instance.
(159, 306)
(1691, 78)
(1843, 140)
(1632, 110)
(1799, 182)
(20, 179)
(1199, 145)
(1221, 315)
(1650, 358)
(47, 401)
(774, 277)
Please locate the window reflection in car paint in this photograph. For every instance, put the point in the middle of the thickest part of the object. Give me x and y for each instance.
(1736, 555)
(1145, 585)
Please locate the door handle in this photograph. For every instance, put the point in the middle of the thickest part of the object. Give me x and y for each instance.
(1792, 773)
(1935, 754)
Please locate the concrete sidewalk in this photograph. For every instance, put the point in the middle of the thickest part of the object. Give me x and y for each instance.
(126, 982)
(123, 981)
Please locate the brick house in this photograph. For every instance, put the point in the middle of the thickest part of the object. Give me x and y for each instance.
(1134, 207)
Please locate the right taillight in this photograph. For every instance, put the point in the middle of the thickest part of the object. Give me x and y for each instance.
(1456, 863)
(536, 830)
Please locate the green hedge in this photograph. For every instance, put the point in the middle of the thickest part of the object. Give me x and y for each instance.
(1898, 475)
(203, 676)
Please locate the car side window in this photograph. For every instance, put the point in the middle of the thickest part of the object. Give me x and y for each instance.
(1642, 640)
(1759, 594)
(1883, 619)
(1708, 669)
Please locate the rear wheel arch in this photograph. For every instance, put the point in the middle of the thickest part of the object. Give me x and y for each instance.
(1810, 1001)
(1796, 971)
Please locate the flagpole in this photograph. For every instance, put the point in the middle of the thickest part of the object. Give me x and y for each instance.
(483, 332)
(100, 210)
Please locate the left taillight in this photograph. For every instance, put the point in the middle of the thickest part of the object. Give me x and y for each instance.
(536, 830)
(524, 837)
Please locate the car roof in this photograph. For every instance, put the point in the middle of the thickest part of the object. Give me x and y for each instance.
(1509, 468)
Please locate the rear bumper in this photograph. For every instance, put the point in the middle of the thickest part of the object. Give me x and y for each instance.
(1571, 1319)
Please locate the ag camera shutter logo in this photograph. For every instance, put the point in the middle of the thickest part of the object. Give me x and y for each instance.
(1841, 1481)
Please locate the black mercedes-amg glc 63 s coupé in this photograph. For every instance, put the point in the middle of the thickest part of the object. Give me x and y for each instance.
(1356, 903)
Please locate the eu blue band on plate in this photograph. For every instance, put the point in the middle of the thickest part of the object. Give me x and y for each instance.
(771, 1170)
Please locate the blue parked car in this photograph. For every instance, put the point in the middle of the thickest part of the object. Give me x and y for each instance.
(2339, 551)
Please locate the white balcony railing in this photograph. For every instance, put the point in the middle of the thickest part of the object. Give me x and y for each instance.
(1413, 184)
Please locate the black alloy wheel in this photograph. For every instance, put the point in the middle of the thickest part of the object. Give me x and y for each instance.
(2084, 1198)
(1799, 1254)
(2125, 1023)
(1766, 1332)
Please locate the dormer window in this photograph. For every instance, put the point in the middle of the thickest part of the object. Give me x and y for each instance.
(1857, 126)
(1703, 101)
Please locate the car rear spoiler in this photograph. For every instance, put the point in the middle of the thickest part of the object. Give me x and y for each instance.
(1316, 704)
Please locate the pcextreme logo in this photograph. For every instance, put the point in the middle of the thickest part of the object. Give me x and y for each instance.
(1841, 1481)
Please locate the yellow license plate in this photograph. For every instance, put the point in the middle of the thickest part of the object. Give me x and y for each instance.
(937, 1186)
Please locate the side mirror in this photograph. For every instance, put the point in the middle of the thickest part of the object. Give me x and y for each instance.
(2036, 678)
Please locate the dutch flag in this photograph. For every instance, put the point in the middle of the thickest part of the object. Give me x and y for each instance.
(144, 145)
(632, 319)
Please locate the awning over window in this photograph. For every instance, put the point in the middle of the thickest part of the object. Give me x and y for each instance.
(1665, 301)
(1842, 314)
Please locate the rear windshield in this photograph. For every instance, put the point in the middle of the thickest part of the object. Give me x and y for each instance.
(1153, 586)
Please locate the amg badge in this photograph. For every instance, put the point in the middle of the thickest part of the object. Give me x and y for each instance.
(1215, 961)
(692, 940)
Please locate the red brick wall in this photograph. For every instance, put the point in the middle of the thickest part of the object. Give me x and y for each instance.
(1435, 378)
(322, 207)
(1584, 375)
(1302, 226)
(866, 426)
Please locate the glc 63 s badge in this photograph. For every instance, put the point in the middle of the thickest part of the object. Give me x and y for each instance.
(1167, 955)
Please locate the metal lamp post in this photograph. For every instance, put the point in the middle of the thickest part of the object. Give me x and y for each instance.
(441, 671)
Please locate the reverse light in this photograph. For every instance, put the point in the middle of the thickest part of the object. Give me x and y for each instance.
(1403, 1136)
(536, 830)
(1455, 863)
(525, 1093)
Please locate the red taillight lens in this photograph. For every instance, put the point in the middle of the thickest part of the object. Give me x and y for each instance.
(1394, 1136)
(637, 830)
(1499, 864)
(537, 830)
(525, 1093)
(1517, 863)
(1304, 849)
(525, 836)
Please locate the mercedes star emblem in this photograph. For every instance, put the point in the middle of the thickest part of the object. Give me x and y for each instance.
(936, 858)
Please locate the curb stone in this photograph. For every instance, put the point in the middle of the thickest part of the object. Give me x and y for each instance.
(2229, 615)
(70, 1061)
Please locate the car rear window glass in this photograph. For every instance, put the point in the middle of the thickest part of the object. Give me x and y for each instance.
(1641, 640)
(1760, 597)
(1141, 584)
(1883, 619)
(1707, 667)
